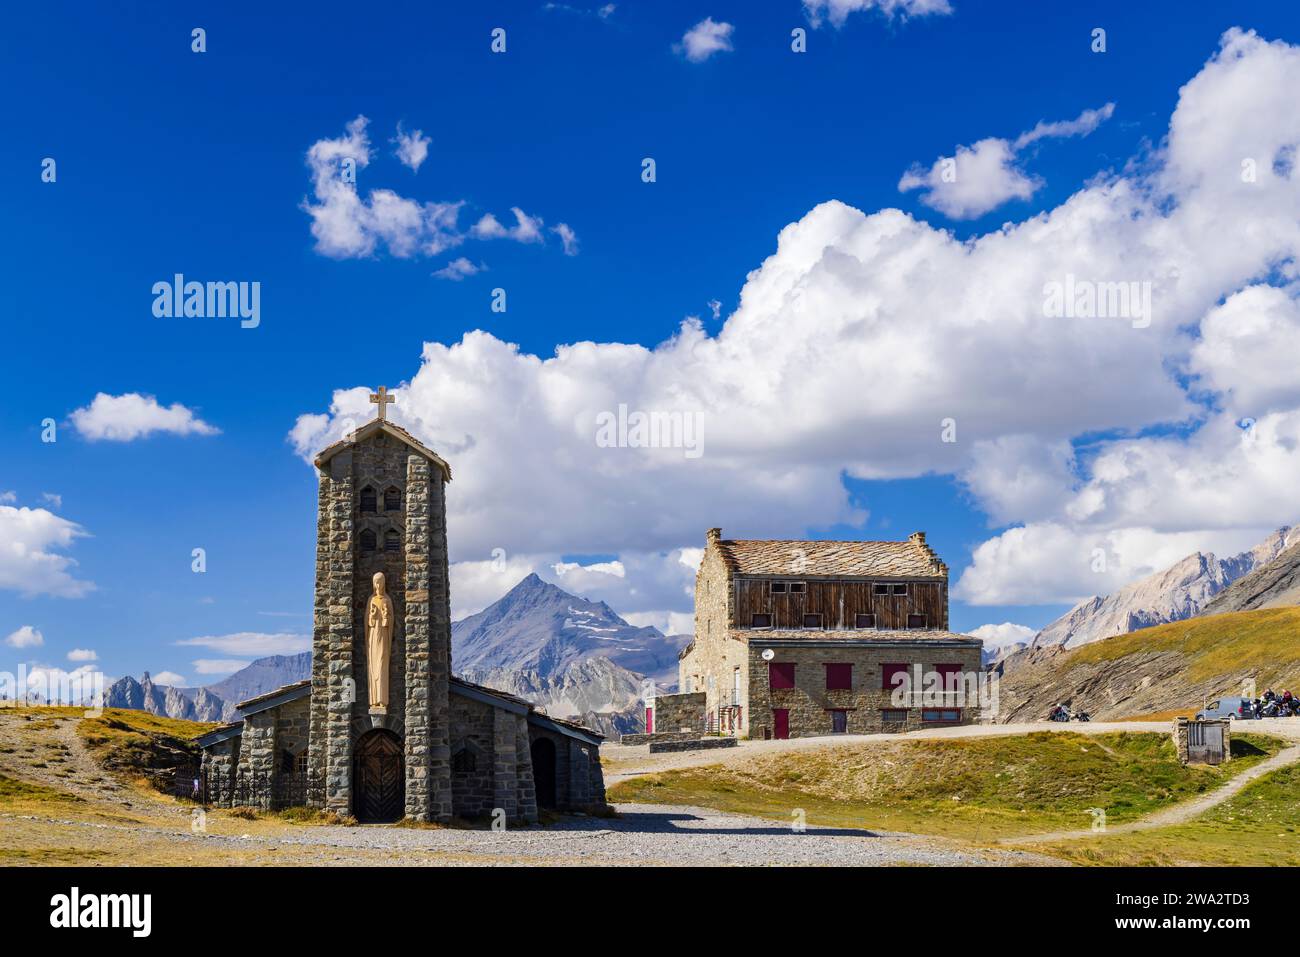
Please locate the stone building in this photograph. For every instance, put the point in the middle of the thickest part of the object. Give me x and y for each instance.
(399, 735)
(799, 638)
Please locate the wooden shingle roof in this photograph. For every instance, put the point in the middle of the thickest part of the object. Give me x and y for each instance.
(912, 558)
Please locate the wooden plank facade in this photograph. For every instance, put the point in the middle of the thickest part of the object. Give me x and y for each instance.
(839, 602)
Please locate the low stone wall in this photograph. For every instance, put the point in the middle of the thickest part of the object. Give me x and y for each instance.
(696, 744)
(633, 740)
(680, 712)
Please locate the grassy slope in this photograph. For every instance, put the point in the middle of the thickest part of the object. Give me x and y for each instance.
(1265, 642)
(142, 745)
(976, 788)
(1260, 826)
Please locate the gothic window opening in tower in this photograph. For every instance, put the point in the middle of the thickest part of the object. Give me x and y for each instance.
(392, 499)
(368, 499)
(392, 541)
(367, 538)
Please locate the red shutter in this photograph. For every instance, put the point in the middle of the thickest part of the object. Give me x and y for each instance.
(839, 677)
(780, 674)
(887, 673)
(950, 675)
(780, 723)
(649, 720)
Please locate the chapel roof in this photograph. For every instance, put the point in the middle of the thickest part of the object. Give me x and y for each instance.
(374, 426)
(911, 558)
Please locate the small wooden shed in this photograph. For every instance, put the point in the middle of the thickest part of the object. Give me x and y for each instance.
(1203, 742)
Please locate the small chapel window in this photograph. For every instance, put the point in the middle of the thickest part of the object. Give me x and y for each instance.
(368, 499)
(392, 541)
(368, 542)
(300, 763)
(463, 761)
(392, 499)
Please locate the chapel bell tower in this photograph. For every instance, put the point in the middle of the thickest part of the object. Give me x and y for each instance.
(381, 510)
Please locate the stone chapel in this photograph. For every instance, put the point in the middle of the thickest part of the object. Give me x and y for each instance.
(383, 729)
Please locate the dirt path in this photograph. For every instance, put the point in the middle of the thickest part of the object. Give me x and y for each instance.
(1179, 813)
(45, 749)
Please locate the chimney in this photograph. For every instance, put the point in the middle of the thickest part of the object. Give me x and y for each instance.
(917, 538)
(713, 535)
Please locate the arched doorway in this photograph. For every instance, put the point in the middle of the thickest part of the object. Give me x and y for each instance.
(378, 778)
(543, 754)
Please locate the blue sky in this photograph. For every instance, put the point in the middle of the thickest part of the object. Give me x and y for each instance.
(173, 161)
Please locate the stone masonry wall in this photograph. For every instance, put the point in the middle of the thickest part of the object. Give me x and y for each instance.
(680, 712)
(317, 746)
(343, 681)
(439, 644)
(292, 725)
(526, 790)
(717, 652)
(257, 754)
(416, 680)
(473, 730)
(809, 702)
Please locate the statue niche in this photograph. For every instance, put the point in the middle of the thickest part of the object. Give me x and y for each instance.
(379, 644)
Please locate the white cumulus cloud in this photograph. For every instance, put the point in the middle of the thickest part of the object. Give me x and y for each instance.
(984, 175)
(705, 39)
(837, 11)
(30, 563)
(412, 148)
(124, 418)
(999, 636)
(25, 637)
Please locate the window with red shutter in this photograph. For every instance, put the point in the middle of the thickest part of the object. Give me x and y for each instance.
(950, 675)
(839, 677)
(780, 674)
(887, 673)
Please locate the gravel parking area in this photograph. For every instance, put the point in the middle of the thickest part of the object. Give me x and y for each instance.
(644, 835)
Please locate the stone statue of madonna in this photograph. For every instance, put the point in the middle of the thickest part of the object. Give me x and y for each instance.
(379, 644)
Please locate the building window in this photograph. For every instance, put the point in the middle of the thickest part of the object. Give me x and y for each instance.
(780, 674)
(367, 539)
(778, 588)
(950, 677)
(880, 588)
(796, 588)
(300, 762)
(392, 541)
(812, 621)
(898, 589)
(915, 621)
(464, 762)
(839, 721)
(368, 499)
(888, 681)
(941, 715)
(839, 677)
(864, 621)
(893, 716)
(760, 621)
(392, 499)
